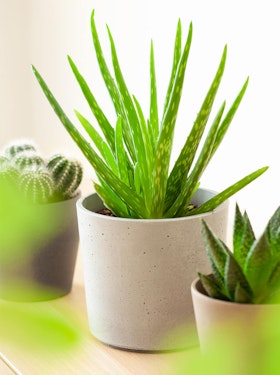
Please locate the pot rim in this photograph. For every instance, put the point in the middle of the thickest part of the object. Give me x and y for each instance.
(197, 293)
(80, 207)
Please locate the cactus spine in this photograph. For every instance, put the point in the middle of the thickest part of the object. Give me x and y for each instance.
(67, 175)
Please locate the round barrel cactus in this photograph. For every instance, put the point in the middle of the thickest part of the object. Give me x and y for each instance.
(28, 159)
(18, 147)
(67, 175)
(36, 185)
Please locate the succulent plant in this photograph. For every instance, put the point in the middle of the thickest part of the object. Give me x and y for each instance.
(67, 175)
(132, 159)
(39, 180)
(36, 185)
(249, 274)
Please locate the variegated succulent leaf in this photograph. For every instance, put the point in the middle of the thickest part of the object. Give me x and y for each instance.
(255, 280)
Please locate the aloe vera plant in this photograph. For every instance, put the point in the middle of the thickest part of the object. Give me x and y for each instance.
(132, 158)
(249, 274)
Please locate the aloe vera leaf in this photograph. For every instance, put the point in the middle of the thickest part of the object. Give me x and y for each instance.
(164, 145)
(175, 63)
(100, 144)
(218, 199)
(234, 276)
(243, 237)
(148, 152)
(133, 119)
(154, 120)
(146, 137)
(228, 118)
(120, 153)
(187, 190)
(259, 265)
(184, 162)
(112, 88)
(104, 124)
(137, 179)
(111, 201)
(126, 194)
(180, 171)
(212, 289)
(216, 251)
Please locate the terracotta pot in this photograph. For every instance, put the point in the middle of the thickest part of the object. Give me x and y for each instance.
(42, 267)
(138, 272)
(225, 321)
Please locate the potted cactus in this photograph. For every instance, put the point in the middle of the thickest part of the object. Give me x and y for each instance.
(136, 263)
(245, 283)
(39, 241)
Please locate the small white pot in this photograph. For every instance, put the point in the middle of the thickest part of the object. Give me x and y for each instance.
(223, 321)
(138, 273)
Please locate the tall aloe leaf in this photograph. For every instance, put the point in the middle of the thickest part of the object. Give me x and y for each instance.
(218, 199)
(154, 120)
(137, 135)
(228, 118)
(186, 193)
(104, 124)
(184, 162)
(123, 191)
(164, 146)
(111, 87)
(100, 144)
(120, 153)
(175, 64)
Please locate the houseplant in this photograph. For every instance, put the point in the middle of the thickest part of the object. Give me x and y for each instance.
(245, 283)
(147, 202)
(38, 225)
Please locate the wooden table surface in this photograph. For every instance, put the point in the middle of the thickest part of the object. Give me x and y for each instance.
(33, 354)
(84, 356)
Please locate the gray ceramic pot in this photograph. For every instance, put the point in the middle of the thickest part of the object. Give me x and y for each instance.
(138, 274)
(42, 267)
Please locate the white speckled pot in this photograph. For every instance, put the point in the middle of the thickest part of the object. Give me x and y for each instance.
(138, 273)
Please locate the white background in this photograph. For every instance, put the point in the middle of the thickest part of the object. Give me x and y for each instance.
(44, 32)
